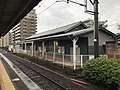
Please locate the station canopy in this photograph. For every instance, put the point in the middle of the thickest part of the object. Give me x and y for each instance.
(12, 11)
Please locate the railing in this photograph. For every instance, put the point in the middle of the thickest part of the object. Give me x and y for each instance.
(63, 59)
(38, 54)
(48, 56)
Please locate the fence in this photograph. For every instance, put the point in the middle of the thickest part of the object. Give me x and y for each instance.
(63, 59)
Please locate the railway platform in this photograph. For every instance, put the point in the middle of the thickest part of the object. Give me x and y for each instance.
(11, 78)
(5, 82)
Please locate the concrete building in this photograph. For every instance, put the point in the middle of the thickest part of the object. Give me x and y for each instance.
(25, 28)
(69, 45)
(5, 41)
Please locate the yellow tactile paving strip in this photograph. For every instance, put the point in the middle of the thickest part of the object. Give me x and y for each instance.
(5, 81)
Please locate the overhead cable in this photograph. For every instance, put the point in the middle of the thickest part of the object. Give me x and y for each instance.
(46, 8)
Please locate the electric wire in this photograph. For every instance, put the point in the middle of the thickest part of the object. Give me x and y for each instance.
(41, 4)
(47, 8)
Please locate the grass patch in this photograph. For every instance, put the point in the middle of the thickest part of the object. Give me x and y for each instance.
(67, 71)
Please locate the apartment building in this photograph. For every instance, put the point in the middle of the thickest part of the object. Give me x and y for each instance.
(25, 28)
(5, 40)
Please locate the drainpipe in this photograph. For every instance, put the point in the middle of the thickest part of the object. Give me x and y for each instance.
(43, 47)
(54, 51)
(32, 48)
(74, 51)
(115, 52)
(25, 48)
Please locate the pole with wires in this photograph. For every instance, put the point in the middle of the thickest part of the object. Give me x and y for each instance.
(96, 30)
(95, 13)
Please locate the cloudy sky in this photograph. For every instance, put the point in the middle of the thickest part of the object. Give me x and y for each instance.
(61, 13)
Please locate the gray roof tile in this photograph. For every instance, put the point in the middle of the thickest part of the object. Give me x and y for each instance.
(54, 31)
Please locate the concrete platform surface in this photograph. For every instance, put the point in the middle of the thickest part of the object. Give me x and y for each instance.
(19, 79)
(5, 82)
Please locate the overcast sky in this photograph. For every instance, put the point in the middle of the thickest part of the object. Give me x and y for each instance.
(62, 13)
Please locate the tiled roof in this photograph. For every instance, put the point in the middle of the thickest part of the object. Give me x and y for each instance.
(74, 33)
(64, 29)
(56, 30)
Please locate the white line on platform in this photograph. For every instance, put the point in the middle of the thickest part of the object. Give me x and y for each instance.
(27, 81)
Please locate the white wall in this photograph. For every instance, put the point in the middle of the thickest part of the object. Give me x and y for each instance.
(103, 37)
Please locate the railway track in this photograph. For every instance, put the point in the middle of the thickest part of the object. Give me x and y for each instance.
(43, 77)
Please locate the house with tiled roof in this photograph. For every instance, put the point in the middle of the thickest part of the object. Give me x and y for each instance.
(71, 44)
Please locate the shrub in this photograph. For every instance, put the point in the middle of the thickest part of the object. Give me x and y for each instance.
(103, 71)
(53, 66)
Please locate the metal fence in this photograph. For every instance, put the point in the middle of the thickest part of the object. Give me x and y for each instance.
(63, 59)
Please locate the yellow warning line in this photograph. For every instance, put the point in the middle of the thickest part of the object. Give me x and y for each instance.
(5, 81)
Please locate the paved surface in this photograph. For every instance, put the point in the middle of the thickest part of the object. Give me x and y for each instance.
(19, 79)
(5, 82)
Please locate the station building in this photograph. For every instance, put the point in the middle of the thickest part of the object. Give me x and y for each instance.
(69, 45)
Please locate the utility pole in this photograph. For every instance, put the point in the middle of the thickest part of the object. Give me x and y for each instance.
(96, 30)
